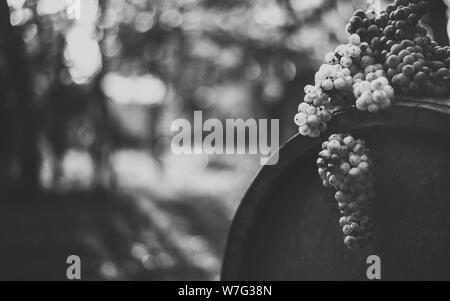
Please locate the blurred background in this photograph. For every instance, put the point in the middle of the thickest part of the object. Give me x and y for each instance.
(88, 91)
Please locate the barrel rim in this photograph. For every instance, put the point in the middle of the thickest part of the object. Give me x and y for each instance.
(425, 113)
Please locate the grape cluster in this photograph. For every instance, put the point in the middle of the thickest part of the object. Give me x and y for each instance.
(312, 121)
(387, 53)
(344, 165)
(414, 64)
(397, 22)
(372, 90)
(416, 67)
(332, 88)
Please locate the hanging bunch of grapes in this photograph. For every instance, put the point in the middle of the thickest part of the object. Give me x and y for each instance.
(344, 164)
(388, 53)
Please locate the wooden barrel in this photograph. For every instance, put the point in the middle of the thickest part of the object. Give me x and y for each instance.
(286, 227)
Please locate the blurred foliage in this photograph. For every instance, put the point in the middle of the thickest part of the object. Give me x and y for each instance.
(92, 123)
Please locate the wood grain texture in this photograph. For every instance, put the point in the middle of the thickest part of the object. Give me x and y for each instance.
(287, 225)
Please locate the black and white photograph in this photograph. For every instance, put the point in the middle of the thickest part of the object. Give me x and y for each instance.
(224, 146)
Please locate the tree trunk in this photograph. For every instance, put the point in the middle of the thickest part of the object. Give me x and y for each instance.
(20, 85)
